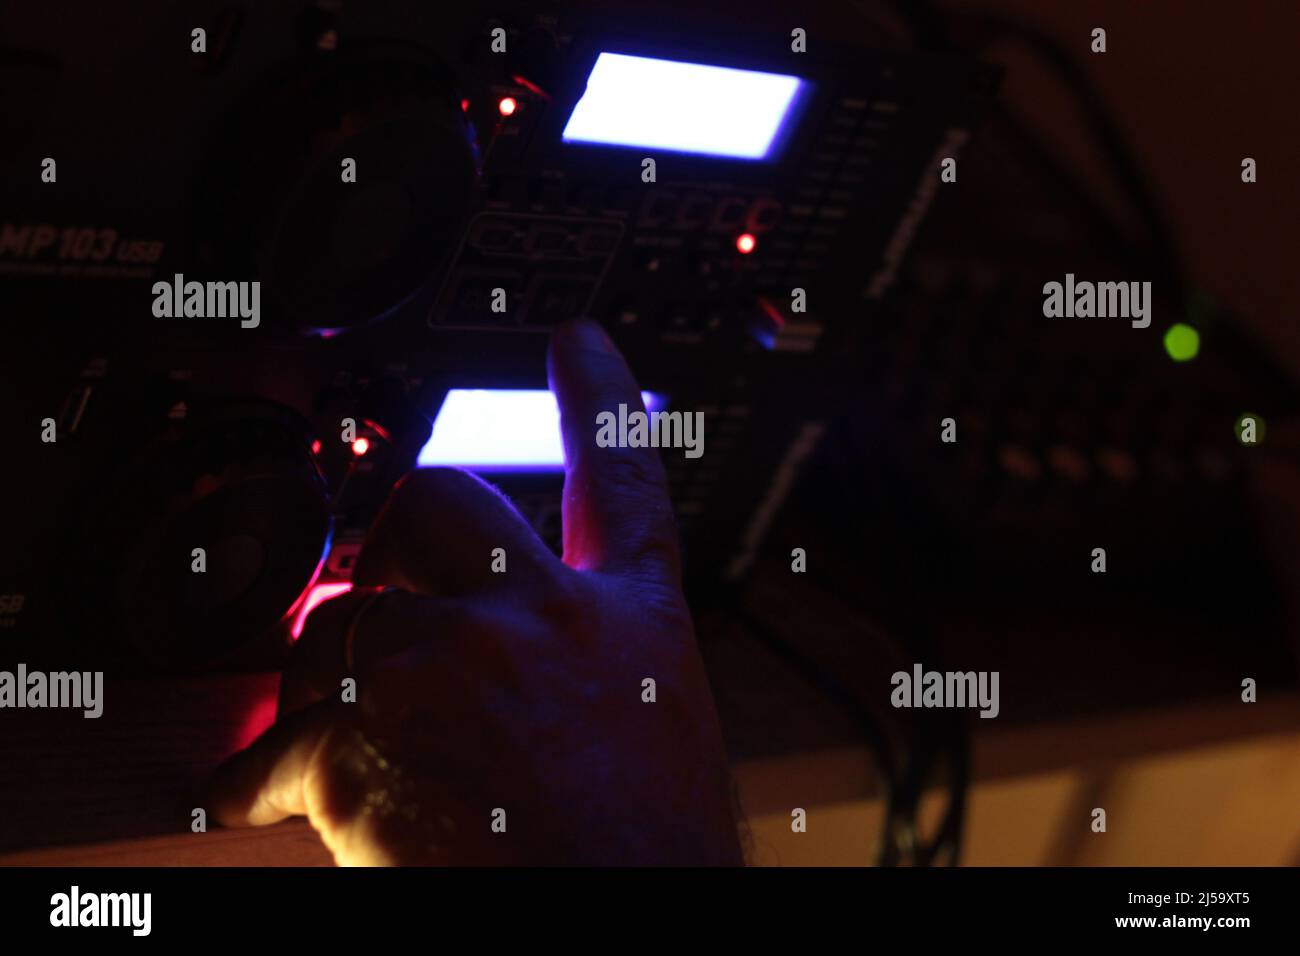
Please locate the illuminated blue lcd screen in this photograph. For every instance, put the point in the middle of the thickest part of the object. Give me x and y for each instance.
(685, 107)
(502, 430)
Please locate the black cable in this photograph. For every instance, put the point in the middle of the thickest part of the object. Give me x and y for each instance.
(898, 840)
(927, 24)
(1104, 128)
(832, 688)
(940, 734)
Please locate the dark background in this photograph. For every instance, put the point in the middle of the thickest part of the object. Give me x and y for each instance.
(1122, 691)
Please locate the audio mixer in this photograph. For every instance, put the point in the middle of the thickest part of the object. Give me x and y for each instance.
(419, 194)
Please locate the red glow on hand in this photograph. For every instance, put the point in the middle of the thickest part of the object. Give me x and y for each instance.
(319, 594)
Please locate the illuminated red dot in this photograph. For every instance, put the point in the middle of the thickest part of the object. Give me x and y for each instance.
(745, 243)
(360, 446)
(508, 105)
(464, 106)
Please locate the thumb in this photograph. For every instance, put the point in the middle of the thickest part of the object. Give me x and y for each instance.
(268, 781)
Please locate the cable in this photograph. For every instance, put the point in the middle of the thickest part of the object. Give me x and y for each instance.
(898, 840)
(941, 735)
(828, 684)
(1105, 130)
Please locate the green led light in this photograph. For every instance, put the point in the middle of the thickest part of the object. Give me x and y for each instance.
(1182, 342)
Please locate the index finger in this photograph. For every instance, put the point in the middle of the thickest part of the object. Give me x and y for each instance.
(617, 512)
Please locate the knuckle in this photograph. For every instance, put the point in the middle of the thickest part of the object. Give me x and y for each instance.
(635, 470)
(649, 545)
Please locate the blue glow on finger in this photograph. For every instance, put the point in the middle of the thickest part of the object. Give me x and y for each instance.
(639, 101)
(502, 430)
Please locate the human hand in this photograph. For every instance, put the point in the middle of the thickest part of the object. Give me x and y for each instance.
(518, 691)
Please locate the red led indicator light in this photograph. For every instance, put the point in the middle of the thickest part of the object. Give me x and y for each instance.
(745, 243)
(507, 106)
(464, 106)
(360, 446)
(315, 447)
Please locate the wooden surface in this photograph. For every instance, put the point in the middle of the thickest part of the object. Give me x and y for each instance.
(122, 788)
(116, 795)
(134, 771)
